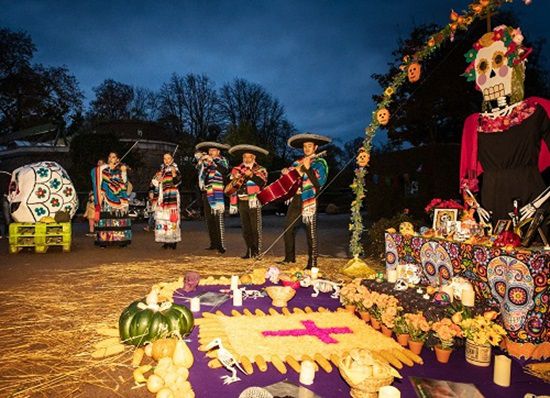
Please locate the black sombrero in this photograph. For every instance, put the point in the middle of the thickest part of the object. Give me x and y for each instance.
(238, 150)
(297, 141)
(211, 144)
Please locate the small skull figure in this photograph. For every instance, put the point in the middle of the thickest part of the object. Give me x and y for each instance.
(191, 280)
(383, 116)
(363, 158)
(512, 285)
(414, 71)
(406, 229)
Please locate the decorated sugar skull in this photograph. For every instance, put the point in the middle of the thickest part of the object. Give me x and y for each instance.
(383, 116)
(512, 285)
(273, 274)
(363, 158)
(497, 65)
(413, 72)
(39, 190)
(191, 281)
(436, 263)
(406, 228)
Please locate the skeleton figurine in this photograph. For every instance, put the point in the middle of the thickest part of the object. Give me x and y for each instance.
(321, 286)
(227, 360)
(529, 209)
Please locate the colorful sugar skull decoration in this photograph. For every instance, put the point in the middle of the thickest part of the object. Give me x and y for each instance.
(414, 71)
(406, 229)
(363, 158)
(383, 116)
(39, 190)
(497, 65)
(436, 263)
(512, 285)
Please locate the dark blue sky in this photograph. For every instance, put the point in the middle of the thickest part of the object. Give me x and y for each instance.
(316, 57)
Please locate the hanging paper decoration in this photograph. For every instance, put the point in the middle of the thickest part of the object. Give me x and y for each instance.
(414, 70)
(383, 116)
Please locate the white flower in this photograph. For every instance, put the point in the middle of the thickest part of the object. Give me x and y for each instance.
(517, 36)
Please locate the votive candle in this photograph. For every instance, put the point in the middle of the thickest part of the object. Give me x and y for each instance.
(392, 275)
(307, 373)
(389, 392)
(502, 371)
(195, 304)
(234, 282)
(468, 297)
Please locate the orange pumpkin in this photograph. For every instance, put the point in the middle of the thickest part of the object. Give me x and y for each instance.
(163, 348)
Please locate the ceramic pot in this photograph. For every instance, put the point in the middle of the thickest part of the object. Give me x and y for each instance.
(442, 354)
(365, 316)
(476, 354)
(375, 323)
(403, 339)
(416, 346)
(386, 331)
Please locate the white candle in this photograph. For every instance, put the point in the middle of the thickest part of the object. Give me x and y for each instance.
(389, 392)
(502, 371)
(468, 297)
(195, 304)
(392, 275)
(234, 282)
(314, 272)
(399, 269)
(449, 290)
(307, 373)
(237, 298)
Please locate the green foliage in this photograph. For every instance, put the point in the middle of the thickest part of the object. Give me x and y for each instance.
(375, 246)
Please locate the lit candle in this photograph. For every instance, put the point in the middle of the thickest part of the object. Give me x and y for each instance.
(389, 392)
(237, 298)
(468, 297)
(314, 272)
(195, 304)
(392, 275)
(502, 371)
(307, 372)
(234, 282)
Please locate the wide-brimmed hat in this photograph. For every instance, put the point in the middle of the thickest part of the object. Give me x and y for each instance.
(297, 141)
(238, 150)
(206, 145)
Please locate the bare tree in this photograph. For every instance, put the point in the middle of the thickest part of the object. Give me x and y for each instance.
(113, 101)
(189, 105)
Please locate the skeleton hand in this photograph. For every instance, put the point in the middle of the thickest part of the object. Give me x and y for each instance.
(483, 214)
(529, 209)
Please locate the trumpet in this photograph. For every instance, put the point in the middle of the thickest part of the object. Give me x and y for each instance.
(201, 156)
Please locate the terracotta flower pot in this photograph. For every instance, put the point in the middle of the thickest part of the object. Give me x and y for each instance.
(350, 308)
(365, 316)
(416, 346)
(443, 354)
(386, 331)
(375, 323)
(403, 339)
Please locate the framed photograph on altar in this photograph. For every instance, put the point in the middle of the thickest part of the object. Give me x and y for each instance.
(501, 226)
(442, 217)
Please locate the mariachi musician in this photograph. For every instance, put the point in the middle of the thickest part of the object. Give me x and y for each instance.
(313, 172)
(212, 168)
(247, 179)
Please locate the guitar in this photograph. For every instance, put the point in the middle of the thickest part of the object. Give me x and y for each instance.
(236, 183)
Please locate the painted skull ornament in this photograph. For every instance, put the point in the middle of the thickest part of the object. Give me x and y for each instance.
(383, 116)
(512, 285)
(436, 263)
(414, 71)
(191, 281)
(41, 189)
(406, 229)
(363, 158)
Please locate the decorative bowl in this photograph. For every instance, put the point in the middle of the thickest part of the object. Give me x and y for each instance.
(280, 295)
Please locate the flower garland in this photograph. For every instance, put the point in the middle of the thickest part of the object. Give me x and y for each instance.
(476, 10)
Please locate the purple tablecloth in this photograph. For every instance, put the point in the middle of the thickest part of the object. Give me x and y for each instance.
(207, 383)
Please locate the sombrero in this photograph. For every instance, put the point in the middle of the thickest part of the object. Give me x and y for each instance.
(297, 141)
(211, 144)
(238, 150)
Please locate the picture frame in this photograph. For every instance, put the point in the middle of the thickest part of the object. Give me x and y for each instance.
(501, 226)
(442, 217)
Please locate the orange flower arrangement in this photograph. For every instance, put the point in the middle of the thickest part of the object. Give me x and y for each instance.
(418, 326)
(446, 330)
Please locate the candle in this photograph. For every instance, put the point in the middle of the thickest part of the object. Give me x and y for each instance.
(468, 297)
(400, 270)
(314, 272)
(392, 275)
(234, 282)
(237, 297)
(449, 290)
(502, 371)
(195, 304)
(307, 373)
(389, 392)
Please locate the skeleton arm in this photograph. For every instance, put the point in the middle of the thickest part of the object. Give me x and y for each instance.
(529, 209)
(483, 214)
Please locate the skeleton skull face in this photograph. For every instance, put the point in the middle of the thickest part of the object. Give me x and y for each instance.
(363, 158)
(413, 72)
(41, 190)
(383, 116)
(191, 280)
(493, 75)
(436, 263)
(512, 285)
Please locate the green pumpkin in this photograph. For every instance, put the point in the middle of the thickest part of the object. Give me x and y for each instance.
(138, 326)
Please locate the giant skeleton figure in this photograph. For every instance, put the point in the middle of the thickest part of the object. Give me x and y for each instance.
(41, 189)
(508, 142)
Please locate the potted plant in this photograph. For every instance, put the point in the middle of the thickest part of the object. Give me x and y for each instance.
(481, 332)
(418, 328)
(365, 304)
(350, 296)
(445, 331)
(401, 331)
(374, 310)
(389, 314)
